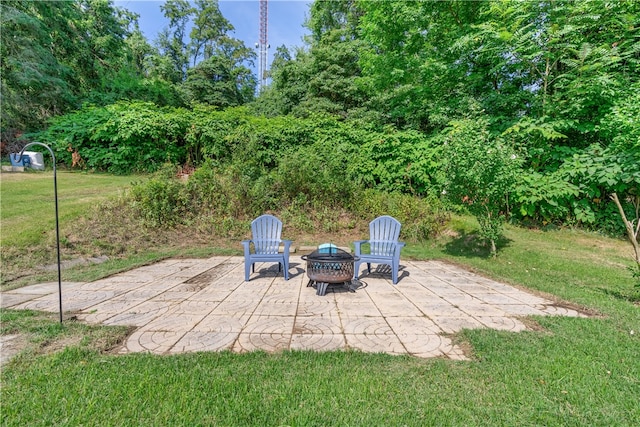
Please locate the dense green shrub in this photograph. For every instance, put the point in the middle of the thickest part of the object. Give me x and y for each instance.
(573, 184)
(120, 138)
(161, 200)
(315, 172)
(227, 200)
(126, 87)
(404, 161)
(544, 198)
(252, 164)
(139, 137)
(421, 218)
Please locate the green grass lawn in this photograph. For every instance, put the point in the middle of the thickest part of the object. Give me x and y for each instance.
(87, 228)
(27, 216)
(563, 372)
(27, 206)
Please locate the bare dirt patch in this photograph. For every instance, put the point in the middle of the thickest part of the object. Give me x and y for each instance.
(20, 335)
(11, 345)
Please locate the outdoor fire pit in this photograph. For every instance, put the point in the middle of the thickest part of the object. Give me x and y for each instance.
(329, 265)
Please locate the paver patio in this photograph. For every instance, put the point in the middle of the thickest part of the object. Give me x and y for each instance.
(187, 305)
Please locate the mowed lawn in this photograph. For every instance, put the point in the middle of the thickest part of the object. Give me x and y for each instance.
(27, 204)
(562, 372)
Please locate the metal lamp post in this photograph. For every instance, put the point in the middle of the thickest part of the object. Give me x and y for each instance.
(55, 195)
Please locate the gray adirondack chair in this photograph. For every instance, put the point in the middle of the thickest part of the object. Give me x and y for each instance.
(385, 248)
(265, 239)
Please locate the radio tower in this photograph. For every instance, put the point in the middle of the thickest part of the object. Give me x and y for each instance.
(263, 46)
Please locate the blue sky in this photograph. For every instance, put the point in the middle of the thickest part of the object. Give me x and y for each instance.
(285, 20)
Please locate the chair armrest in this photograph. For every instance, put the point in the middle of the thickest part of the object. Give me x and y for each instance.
(287, 245)
(358, 246)
(399, 247)
(247, 247)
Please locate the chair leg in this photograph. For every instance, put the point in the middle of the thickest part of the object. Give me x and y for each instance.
(247, 270)
(394, 273)
(356, 270)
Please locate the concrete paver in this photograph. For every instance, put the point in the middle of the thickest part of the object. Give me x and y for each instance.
(187, 305)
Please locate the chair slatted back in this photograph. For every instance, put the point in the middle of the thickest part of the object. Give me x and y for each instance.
(266, 231)
(384, 232)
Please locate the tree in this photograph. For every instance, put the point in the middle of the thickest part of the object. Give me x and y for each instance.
(54, 53)
(35, 85)
(209, 30)
(614, 171)
(219, 82)
(411, 69)
(289, 83)
(480, 171)
(570, 60)
(139, 50)
(171, 41)
(561, 63)
(208, 65)
(324, 77)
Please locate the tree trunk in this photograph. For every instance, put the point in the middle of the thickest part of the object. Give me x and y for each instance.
(632, 233)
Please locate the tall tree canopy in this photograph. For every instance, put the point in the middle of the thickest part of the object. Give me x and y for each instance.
(322, 78)
(556, 63)
(52, 53)
(57, 55)
(556, 79)
(210, 65)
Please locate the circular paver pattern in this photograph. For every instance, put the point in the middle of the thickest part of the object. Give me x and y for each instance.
(205, 341)
(205, 305)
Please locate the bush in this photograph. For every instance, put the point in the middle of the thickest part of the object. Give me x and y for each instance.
(316, 173)
(161, 200)
(225, 199)
(396, 161)
(120, 138)
(421, 219)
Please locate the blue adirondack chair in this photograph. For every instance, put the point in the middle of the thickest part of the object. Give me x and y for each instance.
(385, 248)
(265, 239)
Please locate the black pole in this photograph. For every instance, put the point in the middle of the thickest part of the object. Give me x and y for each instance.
(55, 196)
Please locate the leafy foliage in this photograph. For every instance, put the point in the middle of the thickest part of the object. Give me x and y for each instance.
(218, 82)
(57, 56)
(120, 138)
(226, 199)
(53, 53)
(394, 97)
(161, 200)
(480, 172)
(209, 64)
